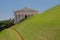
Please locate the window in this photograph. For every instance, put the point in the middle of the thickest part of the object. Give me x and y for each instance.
(25, 16)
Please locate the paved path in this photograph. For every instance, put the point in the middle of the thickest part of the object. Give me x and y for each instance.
(21, 38)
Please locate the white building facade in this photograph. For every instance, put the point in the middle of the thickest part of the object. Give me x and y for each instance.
(23, 14)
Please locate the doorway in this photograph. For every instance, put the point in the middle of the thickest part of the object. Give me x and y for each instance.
(25, 16)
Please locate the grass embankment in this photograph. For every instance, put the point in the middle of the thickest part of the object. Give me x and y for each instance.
(9, 34)
(45, 26)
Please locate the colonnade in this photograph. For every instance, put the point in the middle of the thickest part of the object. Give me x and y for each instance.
(20, 17)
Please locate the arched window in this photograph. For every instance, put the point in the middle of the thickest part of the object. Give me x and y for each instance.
(29, 15)
(25, 16)
(16, 18)
(19, 17)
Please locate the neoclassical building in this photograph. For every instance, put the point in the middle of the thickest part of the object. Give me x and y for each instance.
(23, 14)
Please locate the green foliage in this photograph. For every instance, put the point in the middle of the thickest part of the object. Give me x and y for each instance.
(3, 24)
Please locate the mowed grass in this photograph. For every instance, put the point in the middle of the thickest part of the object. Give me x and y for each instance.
(45, 26)
(9, 34)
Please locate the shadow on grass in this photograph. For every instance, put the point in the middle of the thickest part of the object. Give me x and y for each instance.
(9, 25)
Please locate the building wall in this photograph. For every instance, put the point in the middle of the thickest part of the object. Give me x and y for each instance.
(18, 16)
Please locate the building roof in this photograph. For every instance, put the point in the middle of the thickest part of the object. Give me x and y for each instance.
(25, 9)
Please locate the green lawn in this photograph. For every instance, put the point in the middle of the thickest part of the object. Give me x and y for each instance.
(9, 34)
(45, 26)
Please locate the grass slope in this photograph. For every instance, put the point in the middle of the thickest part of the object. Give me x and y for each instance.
(45, 26)
(9, 34)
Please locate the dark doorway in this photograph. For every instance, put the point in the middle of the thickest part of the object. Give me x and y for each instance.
(25, 16)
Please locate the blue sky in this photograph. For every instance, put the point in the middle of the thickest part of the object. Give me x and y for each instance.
(8, 6)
